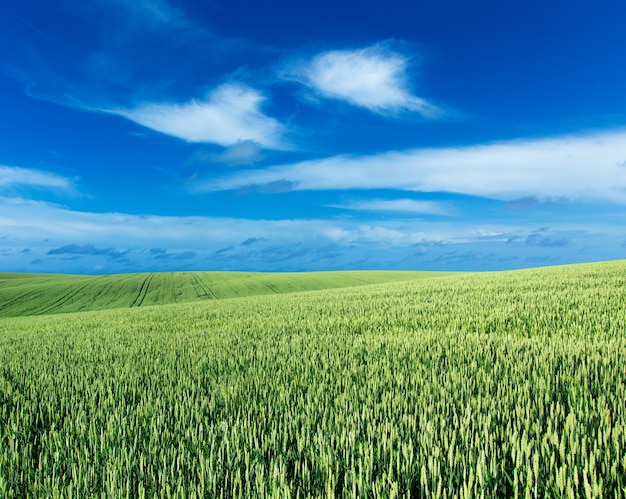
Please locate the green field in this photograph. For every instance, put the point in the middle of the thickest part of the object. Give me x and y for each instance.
(37, 294)
(509, 384)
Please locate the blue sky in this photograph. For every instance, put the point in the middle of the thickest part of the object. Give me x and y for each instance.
(289, 136)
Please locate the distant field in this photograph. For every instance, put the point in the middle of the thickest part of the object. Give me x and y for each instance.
(509, 384)
(37, 294)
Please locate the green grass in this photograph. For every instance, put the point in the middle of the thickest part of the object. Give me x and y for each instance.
(37, 294)
(505, 384)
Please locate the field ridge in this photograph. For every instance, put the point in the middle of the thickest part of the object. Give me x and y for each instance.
(40, 294)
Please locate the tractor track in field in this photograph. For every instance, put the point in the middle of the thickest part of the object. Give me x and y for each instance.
(19, 298)
(271, 287)
(63, 300)
(208, 292)
(7, 305)
(143, 291)
(103, 292)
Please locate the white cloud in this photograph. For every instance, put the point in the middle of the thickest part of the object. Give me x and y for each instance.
(581, 167)
(230, 114)
(373, 77)
(13, 176)
(398, 206)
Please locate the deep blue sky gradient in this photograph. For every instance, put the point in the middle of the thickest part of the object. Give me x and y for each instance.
(247, 135)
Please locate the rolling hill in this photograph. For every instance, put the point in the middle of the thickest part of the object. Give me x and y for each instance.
(503, 384)
(37, 294)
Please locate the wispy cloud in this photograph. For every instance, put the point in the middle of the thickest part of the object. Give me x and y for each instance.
(173, 255)
(86, 249)
(374, 77)
(542, 237)
(146, 60)
(522, 203)
(577, 166)
(119, 52)
(397, 205)
(273, 187)
(13, 176)
(252, 240)
(231, 114)
(153, 12)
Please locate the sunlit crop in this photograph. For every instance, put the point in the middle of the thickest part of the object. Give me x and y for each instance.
(39, 294)
(480, 385)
